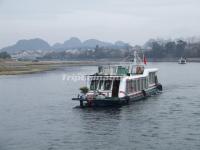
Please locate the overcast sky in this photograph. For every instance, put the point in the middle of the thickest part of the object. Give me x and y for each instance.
(134, 21)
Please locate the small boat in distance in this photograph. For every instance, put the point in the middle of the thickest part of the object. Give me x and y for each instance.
(182, 60)
(120, 84)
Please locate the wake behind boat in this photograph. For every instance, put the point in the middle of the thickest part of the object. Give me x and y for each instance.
(120, 84)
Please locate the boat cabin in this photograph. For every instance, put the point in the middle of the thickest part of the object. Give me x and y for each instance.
(120, 81)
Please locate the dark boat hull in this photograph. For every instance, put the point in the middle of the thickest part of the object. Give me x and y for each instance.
(114, 101)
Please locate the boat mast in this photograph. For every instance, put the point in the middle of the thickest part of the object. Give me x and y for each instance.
(137, 59)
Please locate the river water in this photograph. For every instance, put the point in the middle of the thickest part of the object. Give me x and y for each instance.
(36, 113)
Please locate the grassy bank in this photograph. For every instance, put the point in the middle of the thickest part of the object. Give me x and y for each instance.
(12, 67)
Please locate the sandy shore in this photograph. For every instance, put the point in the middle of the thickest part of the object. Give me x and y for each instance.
(12, 67)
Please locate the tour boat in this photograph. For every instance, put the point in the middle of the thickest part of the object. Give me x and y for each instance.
(182, 60)
(120, 84)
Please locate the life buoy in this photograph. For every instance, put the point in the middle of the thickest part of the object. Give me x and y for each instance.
(138, 70)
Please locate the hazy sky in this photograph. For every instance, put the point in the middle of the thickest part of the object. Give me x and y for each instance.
(134, 21)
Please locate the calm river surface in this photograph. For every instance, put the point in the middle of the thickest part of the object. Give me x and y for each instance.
(37, 113)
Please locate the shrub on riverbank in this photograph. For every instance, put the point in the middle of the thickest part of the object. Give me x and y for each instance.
(4, 55)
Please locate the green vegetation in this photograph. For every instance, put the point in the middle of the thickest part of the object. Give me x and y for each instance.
(152, 49)
(88, 54)
(173, 49)
(84, 90)
(4, 55)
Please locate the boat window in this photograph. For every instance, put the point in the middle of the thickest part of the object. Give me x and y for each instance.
(134, 85)
(100, 85)
(94, 84)
(129, 86)
(152, 77)
(144, 83)
(107, 84)
(139, 85)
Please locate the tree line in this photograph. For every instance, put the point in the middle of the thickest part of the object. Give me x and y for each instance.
(152, 49)
(172, 49)
(4, 55)
(96, 53)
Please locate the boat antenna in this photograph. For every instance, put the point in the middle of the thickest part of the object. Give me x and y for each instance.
(137, 59)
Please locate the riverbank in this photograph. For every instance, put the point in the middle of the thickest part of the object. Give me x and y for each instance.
(172, 59)
(12, 67)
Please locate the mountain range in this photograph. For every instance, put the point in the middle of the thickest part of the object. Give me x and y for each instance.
(72, 43)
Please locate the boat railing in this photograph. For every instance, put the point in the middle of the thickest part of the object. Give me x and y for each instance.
(120, 69)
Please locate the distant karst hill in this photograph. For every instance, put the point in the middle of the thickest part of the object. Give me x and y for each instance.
(72, 43)
(32, 44)
(75, 43)
(68, 44)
